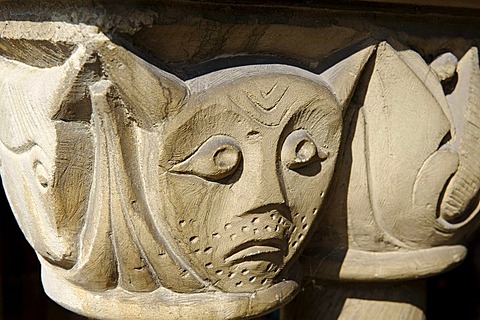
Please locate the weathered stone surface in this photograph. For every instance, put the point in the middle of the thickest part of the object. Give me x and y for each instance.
(426, 207)
(180, 167)
(135, 181)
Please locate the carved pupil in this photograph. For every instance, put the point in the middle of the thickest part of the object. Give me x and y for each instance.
(299, 150)
(41, 173)
(216, 159)
(226, 157)
(305, 151)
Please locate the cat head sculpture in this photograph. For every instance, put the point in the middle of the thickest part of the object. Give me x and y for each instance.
(168, 196)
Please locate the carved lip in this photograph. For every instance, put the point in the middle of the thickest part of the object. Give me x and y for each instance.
(256, 250)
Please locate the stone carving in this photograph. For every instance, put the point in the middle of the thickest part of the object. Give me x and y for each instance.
(144, 194)
(406, 198)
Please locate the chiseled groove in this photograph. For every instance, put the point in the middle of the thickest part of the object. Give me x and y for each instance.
(160, 237)
(110, 130)
(97, 227)
(373, 204)
(466, 182)
(28, 145)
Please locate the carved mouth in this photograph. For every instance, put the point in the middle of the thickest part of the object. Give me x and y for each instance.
(257, 250)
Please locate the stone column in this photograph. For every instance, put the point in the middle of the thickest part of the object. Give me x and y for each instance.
(189, 159)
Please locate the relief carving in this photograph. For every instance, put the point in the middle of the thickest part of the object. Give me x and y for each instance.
(408, 186)
(145, 194)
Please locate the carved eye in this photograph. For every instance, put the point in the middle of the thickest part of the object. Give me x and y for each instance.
(216, 159)
(41, 173)
(299, 150)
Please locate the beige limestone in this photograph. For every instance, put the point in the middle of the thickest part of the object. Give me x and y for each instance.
(410, 184)
(144, 194)
(224, 193)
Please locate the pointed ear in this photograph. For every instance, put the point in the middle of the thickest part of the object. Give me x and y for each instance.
(150, 94)
(343, 77)
(29, 98)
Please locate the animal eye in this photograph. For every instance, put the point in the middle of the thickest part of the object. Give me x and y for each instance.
(299, 150)
(216, 159)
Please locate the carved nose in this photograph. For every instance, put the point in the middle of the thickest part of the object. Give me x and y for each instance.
(266, 195)
(267, 190)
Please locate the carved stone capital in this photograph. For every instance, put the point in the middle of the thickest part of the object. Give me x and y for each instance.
(215, 179)
(142, 193)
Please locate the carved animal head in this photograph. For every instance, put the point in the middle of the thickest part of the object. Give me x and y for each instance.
(247, 165)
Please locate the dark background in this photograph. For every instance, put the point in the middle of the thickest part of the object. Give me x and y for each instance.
(21, 295)
(453, 295)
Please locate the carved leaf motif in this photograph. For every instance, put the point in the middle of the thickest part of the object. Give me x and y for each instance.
(118, 246)
(414, 172)
(460, 201)
(408, 184)
(404, 125)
